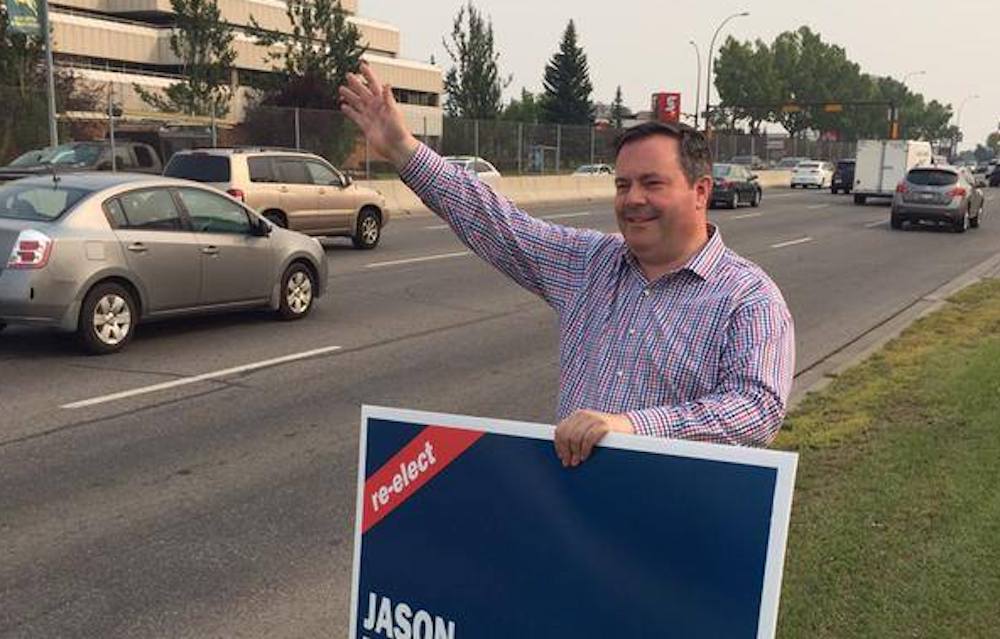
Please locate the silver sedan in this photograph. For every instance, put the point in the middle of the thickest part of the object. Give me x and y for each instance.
(96, 253)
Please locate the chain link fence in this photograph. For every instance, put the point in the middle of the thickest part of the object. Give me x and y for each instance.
(515, 148)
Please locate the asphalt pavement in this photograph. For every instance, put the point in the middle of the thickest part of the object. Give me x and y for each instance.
(202, 483)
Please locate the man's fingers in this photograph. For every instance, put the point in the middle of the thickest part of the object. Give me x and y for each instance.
(353, 115)
(363, 91)
(591, 438)
(576, 437)
(350, 97)
(562, 447)
(388, 97)
(370, 77)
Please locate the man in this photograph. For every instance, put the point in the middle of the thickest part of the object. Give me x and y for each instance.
(663, 330)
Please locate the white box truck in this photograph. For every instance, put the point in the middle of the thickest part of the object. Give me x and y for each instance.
(882, 164)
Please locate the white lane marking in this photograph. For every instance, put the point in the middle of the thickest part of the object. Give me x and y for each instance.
(414, 260)
(872, 225)
(818, 206)
(559, 216)
(745, 216)
(184, 381)
(774, 195)
(436, 227)
(801, 240)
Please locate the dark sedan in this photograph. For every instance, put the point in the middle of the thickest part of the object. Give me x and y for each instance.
(733, 185)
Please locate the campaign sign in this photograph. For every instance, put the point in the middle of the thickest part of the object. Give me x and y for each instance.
(472, 528)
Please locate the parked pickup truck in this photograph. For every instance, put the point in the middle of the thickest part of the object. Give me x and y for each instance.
(134, 157)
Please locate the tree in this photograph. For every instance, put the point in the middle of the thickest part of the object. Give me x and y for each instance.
(527, 109)
(473, 84)
(993, 143)
(567, 83)
(745, 75)
(23, 94)
(204, 44)
(618, 110)
(312, 61)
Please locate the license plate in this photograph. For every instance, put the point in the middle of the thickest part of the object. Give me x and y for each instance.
(927, 196)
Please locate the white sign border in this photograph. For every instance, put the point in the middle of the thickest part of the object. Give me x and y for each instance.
(784, 463)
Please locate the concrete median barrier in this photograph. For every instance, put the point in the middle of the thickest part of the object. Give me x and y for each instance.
(537, 190)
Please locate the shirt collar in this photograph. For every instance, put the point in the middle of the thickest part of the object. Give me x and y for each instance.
(704, 263)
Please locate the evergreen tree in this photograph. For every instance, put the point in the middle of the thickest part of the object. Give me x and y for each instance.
(204, 44)
(618, 110)
(567, 83)
(474, 84)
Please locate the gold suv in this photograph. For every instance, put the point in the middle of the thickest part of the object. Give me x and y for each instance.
(293, 189)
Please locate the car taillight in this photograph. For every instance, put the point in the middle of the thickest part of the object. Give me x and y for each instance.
(31, 250)
(238, 194)
(958, 191)
(901, 187)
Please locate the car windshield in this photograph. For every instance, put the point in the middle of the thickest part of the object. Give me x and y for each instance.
(72, 155)
(31, 158)
(808, 165)
(42, 202)
(588, 168)
(932, 177)
(721, 170)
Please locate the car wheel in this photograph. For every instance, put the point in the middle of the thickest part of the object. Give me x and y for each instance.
(734, 201)
(961, 225)
(369, 230)
(298, 288)
(755, 202)
(974, 222)
(895, 221)
(859, 199)
(107, 319)
(277, 218)
(3, 325)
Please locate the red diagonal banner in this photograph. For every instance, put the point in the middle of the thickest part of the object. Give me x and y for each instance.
(412, 467)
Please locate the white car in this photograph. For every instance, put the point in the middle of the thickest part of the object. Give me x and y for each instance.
(594, 169)
(477, 166)
(812, 173)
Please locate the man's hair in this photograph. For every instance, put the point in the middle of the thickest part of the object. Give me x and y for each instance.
(695, 156)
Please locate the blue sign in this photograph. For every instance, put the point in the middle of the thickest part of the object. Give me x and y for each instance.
(472, 528)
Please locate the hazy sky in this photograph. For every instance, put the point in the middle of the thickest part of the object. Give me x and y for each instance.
(644, 45)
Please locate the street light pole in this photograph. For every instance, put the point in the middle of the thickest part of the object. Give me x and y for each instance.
(958, 122)
(711, 49)
(697, 91)
(47, 26)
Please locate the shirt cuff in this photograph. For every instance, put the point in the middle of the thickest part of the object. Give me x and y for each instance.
(649, 422)
(423, 170)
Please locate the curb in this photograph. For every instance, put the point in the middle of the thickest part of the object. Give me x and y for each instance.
(822, 373)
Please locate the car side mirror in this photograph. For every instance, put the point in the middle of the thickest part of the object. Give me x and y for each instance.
(346, 181)
(261, 229)
(753, 177)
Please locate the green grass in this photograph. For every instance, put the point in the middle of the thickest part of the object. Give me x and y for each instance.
(895, 528)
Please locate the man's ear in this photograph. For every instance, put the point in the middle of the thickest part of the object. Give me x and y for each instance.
(703, 191)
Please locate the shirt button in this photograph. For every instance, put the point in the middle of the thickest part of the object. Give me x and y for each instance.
(631, 332)
(645, 292)
(620, 373)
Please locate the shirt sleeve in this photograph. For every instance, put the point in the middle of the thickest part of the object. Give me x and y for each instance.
(748, 405)
(547, 259)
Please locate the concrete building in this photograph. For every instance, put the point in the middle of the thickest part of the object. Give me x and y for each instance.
(121, 43)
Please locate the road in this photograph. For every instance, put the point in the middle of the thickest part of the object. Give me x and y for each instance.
(222, 505)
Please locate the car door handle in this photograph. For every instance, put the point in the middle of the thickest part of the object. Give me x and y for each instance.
(210, 250)
(283, 189)
(137, 247)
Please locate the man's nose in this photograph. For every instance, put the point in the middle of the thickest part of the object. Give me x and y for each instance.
(635, 195)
